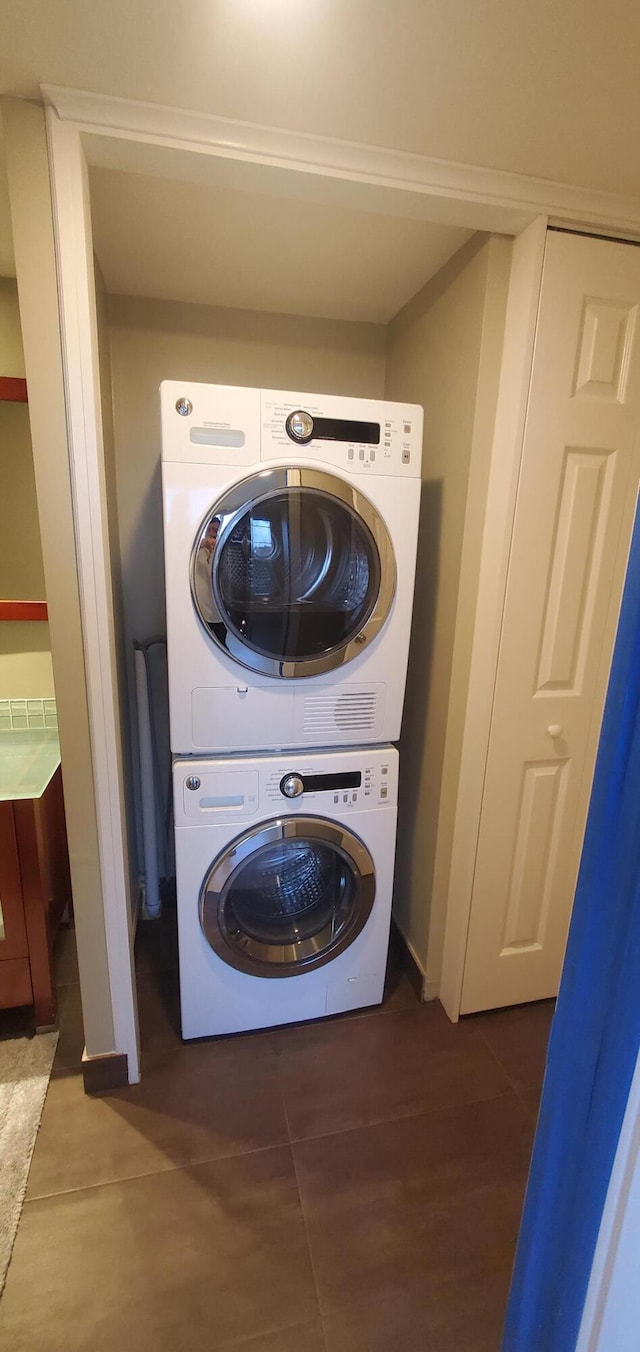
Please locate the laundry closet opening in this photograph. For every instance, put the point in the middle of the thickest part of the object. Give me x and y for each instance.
(229, 282)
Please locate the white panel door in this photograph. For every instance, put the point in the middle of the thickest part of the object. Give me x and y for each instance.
(572, 526)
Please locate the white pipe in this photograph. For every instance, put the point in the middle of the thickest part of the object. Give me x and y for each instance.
(147, 791)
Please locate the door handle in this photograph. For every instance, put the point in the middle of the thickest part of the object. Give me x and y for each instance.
(554, 730)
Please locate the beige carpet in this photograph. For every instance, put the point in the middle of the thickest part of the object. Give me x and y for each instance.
(25, 1068)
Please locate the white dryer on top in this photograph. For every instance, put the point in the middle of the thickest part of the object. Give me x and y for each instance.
(290, 533)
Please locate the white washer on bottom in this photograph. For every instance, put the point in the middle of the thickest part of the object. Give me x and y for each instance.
(284, 877)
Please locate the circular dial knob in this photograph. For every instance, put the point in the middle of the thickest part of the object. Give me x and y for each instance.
(299, 426)
(291, 786)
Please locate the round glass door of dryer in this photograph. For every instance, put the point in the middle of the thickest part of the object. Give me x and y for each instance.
(287, 896)
(293, 572)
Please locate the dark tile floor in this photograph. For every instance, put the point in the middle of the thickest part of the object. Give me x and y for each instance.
(348, 1186)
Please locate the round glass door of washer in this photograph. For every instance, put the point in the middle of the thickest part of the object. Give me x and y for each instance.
(287, 896)
(293, 572)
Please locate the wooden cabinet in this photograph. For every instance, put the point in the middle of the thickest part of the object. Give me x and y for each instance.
(34, 891)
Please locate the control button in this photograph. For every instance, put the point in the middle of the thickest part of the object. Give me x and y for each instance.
(345, 797)
(361, 453)
(354, 797)
(336, 797)
(385, 769)
(299, 426)
(184, 407)
(372, 455)
(291, 786)
(406, 457)
(384, 791)
(407, 429)
(350, 453)
(193, 782)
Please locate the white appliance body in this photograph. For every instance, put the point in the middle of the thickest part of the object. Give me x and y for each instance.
(245, 852)
(318, 658)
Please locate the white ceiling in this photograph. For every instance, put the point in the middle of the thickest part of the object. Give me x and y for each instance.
(216, 245)
(545, 88)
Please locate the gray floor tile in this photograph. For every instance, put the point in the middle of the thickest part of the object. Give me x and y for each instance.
(194, 1103)
(192, 1259)
(350, 1073)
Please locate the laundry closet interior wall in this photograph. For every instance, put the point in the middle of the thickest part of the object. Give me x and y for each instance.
(441, 348)
(444, 351)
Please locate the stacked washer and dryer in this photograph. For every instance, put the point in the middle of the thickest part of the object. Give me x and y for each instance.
(290, 533)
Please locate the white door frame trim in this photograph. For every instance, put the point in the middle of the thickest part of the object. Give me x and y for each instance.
(490, 199)
(76, 284)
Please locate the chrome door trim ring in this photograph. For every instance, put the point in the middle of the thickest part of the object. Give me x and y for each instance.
(220, 521)
(270, 960)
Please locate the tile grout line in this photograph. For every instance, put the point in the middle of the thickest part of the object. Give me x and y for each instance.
(498, 1062)
(521, 1096)
(407, 1117)
(308, 1242)
(301, 1204)
(155, 1173)
(519, 1090)
(253, 1338)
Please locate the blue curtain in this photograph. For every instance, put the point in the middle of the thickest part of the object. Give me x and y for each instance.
(595, 1034)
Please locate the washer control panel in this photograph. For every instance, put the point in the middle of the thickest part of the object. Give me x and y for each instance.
(331, 783)
(370, 785)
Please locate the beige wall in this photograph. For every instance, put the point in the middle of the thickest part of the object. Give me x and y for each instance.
(21, 570)
(11, 354)
(25, 659)
(444, 352)
(28, 176)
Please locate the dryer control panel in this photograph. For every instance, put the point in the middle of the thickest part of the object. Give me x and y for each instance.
(231, 425)
(361, 435)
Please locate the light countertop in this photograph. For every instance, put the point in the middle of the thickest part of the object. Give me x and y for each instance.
(29, 759)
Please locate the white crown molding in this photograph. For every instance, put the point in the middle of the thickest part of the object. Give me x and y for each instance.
(492, 198)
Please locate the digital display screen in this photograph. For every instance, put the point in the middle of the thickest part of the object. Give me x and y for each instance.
(344, 429)
(316, 783)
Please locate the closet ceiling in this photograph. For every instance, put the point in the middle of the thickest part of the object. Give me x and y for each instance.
(180, 240)
(547, 89)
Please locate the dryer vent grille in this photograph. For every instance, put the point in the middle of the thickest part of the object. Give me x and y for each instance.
(348, 713)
